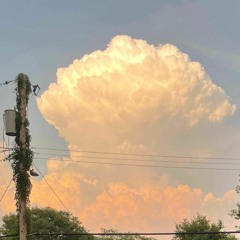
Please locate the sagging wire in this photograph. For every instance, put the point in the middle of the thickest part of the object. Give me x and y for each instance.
(7, 82)
(138, 155)
(12, 236)
(6, 190)
(49, 235)
(133, 159)
(51, 188)
(146, 166)
(209, 233)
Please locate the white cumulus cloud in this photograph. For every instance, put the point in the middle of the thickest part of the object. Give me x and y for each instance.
(133, 97)
(131, 92)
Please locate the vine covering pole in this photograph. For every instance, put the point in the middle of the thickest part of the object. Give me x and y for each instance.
(22, 154)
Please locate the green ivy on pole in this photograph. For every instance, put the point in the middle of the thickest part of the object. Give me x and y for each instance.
(22, 155)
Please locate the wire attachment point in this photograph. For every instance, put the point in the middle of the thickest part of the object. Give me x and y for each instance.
(35, 89)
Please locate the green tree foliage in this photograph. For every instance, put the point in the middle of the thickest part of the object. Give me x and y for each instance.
(10, 225)
(200, 224)
(46, 221)
(121, 237)
(236, 212)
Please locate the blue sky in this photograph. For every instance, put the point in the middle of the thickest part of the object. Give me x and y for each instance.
(44, 35)
(38, 37)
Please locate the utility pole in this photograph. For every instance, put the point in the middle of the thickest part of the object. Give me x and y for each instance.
(22, 155)
(23, 200)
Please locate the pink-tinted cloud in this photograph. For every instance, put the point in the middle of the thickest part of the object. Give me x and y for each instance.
(132, 97)
(7, 187)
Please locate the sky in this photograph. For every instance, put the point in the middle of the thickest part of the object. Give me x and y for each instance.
(137, 112)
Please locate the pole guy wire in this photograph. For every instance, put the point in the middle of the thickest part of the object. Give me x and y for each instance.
(6, 190)
(51, 188)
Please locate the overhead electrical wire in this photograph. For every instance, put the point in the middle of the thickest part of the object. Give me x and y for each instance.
(138, 155)
(6, 190)
(123, 234)
(132, 154)
(99, 156)
(15, 236)
(7, 82)
(154, 158)
(136, 234)
(134, 159)
(51, 188)
(143, 165)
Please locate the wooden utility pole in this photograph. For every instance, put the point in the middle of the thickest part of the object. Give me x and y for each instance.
(22, 154)
(23, 200)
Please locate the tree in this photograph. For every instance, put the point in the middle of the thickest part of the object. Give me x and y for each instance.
(10, 225)
(201, 224)
(236, 212)
(46, 221)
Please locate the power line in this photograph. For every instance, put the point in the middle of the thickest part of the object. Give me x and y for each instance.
(124, 234)
(132, 154)
(6, 190)
(143, 165)
(135, 234)
(6, 82)
(15, 235)
(134, 159)
(51, 188)
(140, 155)
(144, 160)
